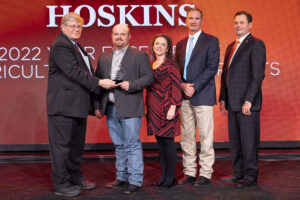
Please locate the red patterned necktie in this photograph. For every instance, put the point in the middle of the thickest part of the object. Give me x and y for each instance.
(230, 56)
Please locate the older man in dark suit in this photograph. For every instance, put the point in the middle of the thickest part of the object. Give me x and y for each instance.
(71, 85)
(124, 105)
(242, 77)
(198, 58)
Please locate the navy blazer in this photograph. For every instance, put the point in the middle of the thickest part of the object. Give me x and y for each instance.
(70, 84)
(139, 74)
(202, 67)
(245, 74)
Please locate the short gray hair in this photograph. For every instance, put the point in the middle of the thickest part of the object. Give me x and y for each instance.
(70, 17)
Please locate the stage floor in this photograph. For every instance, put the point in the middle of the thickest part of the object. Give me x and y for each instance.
(28, 176)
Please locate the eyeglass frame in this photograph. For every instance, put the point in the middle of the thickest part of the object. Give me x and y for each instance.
(74, 26)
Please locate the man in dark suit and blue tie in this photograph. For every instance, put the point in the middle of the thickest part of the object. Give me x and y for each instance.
(198, 58)
(71, 85)
(241, 81)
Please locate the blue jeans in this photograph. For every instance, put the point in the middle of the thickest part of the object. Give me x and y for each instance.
(125, 133)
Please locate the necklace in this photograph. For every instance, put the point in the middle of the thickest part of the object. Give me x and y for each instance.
(156, 64)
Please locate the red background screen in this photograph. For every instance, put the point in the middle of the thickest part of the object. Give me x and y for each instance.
(28, 28)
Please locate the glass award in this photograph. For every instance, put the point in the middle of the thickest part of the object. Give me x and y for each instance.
(120, 75)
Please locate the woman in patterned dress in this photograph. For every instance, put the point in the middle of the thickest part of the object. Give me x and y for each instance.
(163, 101)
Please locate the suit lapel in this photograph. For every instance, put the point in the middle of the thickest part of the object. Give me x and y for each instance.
(78, 54)
(183, 54)
(126, 56)
(82, 59)
(125, 59)
(227, 54)
(199, 45)
(108, 66)
(241, 47)
(92, 68)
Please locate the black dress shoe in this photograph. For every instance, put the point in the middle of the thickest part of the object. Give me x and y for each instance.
(202, 181)
(232, 179)
(87, 185)
(247, 184)
(187, 180)
(159, 183)
(68, 191)
(132, 189)
(167, 186)
(116, 183)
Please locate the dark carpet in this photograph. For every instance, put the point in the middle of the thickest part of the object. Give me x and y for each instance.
(279, 178)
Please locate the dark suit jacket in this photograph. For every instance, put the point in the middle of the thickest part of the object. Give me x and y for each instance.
(202, 67)
(70, 83)
(138, 73)
(245, 74)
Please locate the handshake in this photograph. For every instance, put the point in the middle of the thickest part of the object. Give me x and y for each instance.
(111, 84)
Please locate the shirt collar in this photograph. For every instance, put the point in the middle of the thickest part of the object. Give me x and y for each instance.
(73, 42)
(121, 50)
(242, 38)
(196, 35)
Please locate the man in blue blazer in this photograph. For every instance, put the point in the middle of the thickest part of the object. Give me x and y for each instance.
(71, 85)
(198, 58)
(241, 81)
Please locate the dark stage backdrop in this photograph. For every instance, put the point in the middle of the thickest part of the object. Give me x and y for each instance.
(27, 29)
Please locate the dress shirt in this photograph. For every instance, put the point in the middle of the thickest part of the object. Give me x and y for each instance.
(85, 58)
(115, 66)
(196, 36)
(240, 40)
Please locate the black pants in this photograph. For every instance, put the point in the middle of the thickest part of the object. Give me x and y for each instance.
(167, 157)
(244, 134)
(66, 141)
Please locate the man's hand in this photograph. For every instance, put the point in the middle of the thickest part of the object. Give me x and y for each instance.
(246, 108)
(222, 107)
(98, 114)
(188, 89)
(124, 85)
(107, 84)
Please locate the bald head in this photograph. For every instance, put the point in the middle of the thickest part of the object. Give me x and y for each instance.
(120, 36)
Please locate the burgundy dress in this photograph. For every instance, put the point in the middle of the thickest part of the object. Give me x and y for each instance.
(164, 92)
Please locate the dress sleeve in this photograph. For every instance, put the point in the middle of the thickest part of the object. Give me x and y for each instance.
(176, 93)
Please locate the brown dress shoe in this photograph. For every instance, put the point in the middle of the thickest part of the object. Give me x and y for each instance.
(132, 189)
(116, 183)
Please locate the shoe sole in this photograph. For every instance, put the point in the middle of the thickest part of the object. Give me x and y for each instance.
(67, 195)
(127, 192)
(246, 186)
(116, 186)
(197, 185)
(89, 188)
(187, 183)
(231, 181)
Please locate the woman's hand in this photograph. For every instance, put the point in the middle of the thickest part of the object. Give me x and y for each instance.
(171, 112)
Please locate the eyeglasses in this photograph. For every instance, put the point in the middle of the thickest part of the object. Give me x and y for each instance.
(74, 26)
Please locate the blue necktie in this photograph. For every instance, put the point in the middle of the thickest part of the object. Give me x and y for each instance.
(188, 56)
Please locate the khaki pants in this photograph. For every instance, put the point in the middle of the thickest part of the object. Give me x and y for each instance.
(191, 117)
